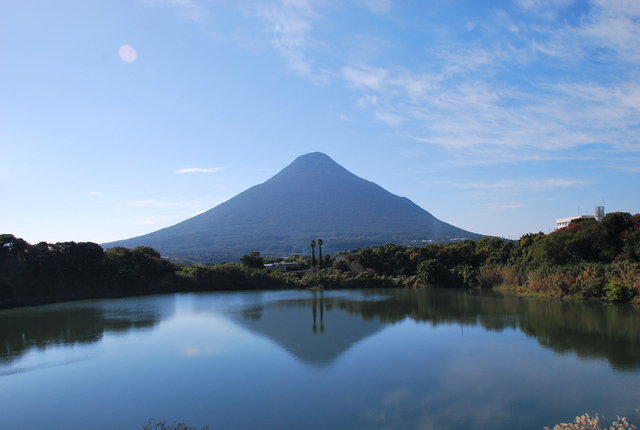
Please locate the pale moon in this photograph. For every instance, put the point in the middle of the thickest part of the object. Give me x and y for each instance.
(127, 53)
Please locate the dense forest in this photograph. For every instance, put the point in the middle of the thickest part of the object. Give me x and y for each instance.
(586, 260)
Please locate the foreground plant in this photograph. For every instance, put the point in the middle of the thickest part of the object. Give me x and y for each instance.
(585, 422)
(162, 425)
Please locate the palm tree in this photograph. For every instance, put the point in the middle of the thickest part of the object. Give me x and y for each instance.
(313, 253)
(319, 253)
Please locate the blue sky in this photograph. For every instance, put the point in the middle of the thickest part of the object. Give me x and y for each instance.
(120, 118)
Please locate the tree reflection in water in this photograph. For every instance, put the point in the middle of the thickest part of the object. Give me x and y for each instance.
(76, 323)
(589, 329)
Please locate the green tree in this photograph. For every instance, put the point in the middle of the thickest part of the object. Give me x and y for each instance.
(431, 272)
(312, 244)
(320, 254)
(253, 260)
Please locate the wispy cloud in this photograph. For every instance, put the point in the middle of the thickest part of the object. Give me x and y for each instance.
(486, 96)
(506, 207)
(289, 24)
(379, 7)
(462, 104)
(188, 9)
(529, 184)
(366, 78)
(145, 222)
(150, 203)
(474, 113)
(389, 118)
(614, 24)
(199, 170)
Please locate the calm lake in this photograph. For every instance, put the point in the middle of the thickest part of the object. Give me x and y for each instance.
(371, 359)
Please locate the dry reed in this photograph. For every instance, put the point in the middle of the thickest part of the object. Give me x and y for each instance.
(585, 422)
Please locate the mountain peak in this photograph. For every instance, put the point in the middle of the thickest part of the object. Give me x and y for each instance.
(313, 162)
(313, 156)
(312, 197)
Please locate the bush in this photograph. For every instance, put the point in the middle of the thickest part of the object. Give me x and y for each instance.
(590, 289)
(162, 425)
(585, 422)
(618, 292)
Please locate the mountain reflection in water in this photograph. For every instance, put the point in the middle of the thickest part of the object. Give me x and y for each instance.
(315, 330)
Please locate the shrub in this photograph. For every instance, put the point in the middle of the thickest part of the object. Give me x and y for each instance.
(162, 425)
(590, 289)
(490, 277)
(618, 292)
(585, 422)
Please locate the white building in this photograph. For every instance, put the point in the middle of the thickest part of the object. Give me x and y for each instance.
(598, 215)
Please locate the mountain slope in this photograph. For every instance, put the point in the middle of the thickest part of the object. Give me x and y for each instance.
(313, 197)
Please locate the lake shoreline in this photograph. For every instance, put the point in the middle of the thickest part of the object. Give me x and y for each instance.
(521, 291)
(510, 290)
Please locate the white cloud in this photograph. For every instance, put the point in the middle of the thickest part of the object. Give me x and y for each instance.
(199, 170)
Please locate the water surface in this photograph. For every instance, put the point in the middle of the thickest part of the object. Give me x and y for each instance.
(383, 359)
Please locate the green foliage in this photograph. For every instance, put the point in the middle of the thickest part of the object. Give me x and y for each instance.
(466, 275)
(494, 250)
(586, 240)
(320, 261)
(587, 260)
(431, 272)
(312, 244)
(147, 250)
(70, 269)
(231, 276)
(590, 288)
(575, 261)
(253, 260)
(618, 291)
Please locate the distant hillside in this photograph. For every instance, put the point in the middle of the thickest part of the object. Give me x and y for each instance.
(313, 197)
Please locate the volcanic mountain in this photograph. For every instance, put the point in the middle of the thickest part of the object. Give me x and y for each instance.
(313, 197)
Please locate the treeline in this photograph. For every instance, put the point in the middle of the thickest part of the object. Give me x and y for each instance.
(587, 259)
(68, 270)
